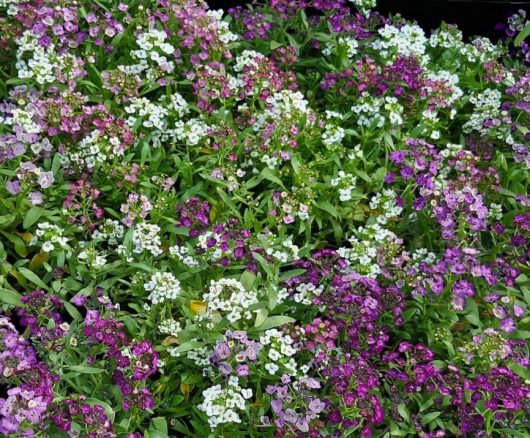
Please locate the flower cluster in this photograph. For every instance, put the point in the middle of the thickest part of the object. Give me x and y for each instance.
(296, 219)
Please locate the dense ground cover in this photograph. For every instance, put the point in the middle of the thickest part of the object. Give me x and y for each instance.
(289, 220)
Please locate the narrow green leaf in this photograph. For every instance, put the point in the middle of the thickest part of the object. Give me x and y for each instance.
(290, 274)
(522, 35)
(190, 345)
(160, 424)
(33, 278)
(427, 418)
(83, 369)
(10, 297)
(274, 321)
(327, 206)
(247, 279)
(403, 411)
(32, 216)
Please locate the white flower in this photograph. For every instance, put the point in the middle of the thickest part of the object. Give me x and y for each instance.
(272, 368)
(163, 286)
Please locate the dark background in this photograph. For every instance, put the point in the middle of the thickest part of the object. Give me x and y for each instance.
(473, 17)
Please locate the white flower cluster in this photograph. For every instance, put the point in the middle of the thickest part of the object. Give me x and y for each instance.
(223, 27)
(220, 403)
(407, 40)
(92, 258)
(51, 235)
(179, 105)
(110, 231)
(284, 106)
(283, 256)
(487, 106)
(146, 237)
(42, 62)
(270, 162)
(495, 211)
(4, 3)
(333, 135)
(362, 255)
(151, 43)
(93, 149)
(170, 327)
(447, 39)
(305, 292)
(192, 131)
(153, 115)
(364, 6)
(422, 255)
(386, 202)
(346, 183)
(481, 49)
(24, 119)
(368, 110)
(248, 58)
(181, 253)
(280, 351)
(346, 45)
(228, 296)
(199, 355)
(395, 110)
(163, 286)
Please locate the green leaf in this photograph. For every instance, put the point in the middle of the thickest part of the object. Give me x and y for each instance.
(74, 313)
(274, 321)
(7, 219)
(522, 35)
(290, 274)
(520, 370)
(228, 201)
(10, 297)
(187, 346)
(264, 264)
(261, 315)
(152, 433)
(267, 174)
(247, 279)
(33, 278)
(83, 369)
(18, 243)
(403, 411)
(160, 424)
(327, 206)
(427, 418)
(32, 216)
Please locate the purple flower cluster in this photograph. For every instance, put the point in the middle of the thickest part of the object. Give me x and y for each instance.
(92, 417)
(235, 353)
(194, 215)
(296, 416)
(29, 383)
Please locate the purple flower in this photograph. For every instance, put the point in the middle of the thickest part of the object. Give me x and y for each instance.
(290, 416)
(13, 187)
(36, 198)
(507, 325)
(316, 406)
(242, 370)
(46, 179)
(225, 368)
(91, 317)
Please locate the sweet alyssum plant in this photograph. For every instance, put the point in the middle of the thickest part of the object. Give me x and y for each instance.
(287, 220)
